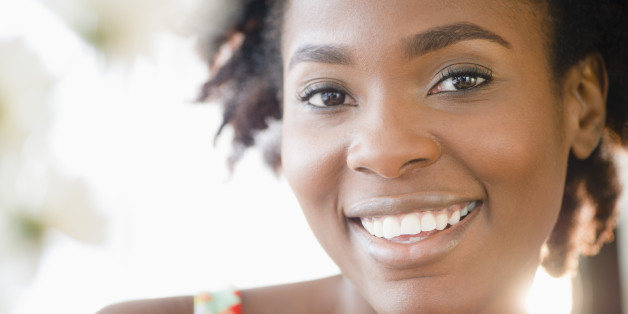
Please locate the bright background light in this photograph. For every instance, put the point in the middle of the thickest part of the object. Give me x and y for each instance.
(550, 295)
(177, 221)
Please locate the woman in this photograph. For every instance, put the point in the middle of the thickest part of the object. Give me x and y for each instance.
(440, 150)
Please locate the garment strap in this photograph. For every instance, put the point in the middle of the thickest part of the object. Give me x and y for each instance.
(226, 301)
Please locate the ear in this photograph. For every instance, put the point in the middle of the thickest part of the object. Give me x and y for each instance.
(587, 87)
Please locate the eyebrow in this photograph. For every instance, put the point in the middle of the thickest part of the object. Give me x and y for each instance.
(444, 36)
(414, 46)
(322, 54)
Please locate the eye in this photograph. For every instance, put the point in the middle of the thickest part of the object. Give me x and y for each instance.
(324, 96)
(457, 83)
(462, 79)
(328, 99)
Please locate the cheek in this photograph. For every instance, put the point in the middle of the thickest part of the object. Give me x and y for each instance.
(516, 156)
(312, 163)
(521, 161)
(308, 162)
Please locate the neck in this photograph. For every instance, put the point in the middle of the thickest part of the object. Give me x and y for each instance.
(350, 300)
(511, 298)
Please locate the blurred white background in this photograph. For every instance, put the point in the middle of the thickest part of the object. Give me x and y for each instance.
(108, 169)
(119, 123)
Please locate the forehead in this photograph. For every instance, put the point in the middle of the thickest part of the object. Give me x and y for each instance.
(379, 26)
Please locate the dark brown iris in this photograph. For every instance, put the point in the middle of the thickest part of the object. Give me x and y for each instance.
(331, 98)
(464, 82)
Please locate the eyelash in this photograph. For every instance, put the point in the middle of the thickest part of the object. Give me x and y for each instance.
(475, 71)
(312, 90)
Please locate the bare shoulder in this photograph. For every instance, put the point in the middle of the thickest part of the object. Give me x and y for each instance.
(172, 305)
(289, 298)
(327, 295)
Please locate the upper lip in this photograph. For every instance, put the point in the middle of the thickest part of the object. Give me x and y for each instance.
(405, 203)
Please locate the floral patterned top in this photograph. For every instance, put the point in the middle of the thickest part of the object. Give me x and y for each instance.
(222, 302)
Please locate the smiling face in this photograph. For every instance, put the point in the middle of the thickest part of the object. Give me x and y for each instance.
(399, 117)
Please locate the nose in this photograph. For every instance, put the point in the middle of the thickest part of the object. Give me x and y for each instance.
(391, 148)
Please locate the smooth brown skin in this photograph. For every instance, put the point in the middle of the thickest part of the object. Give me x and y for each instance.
(505, 143)
(174, 305)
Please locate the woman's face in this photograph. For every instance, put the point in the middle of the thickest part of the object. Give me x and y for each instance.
(399, 117)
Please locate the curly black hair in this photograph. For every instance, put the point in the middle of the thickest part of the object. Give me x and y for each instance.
(577, 28)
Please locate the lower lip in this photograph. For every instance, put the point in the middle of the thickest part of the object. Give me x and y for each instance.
(425, 251)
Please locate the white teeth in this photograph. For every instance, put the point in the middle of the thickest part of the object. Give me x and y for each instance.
(428, 222)
(471, 206)
(441, 221)
(412, 240)
(367, 224)
(391, 227)
(378, 228)
(410, 224)
(464, 212)
(455, 218)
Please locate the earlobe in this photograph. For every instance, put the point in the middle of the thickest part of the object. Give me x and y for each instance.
(588, 92)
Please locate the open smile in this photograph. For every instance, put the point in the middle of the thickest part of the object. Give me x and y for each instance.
(414, 238)
(414, 227)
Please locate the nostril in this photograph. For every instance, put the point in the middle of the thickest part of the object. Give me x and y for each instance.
(390, 156)
(418, 162)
